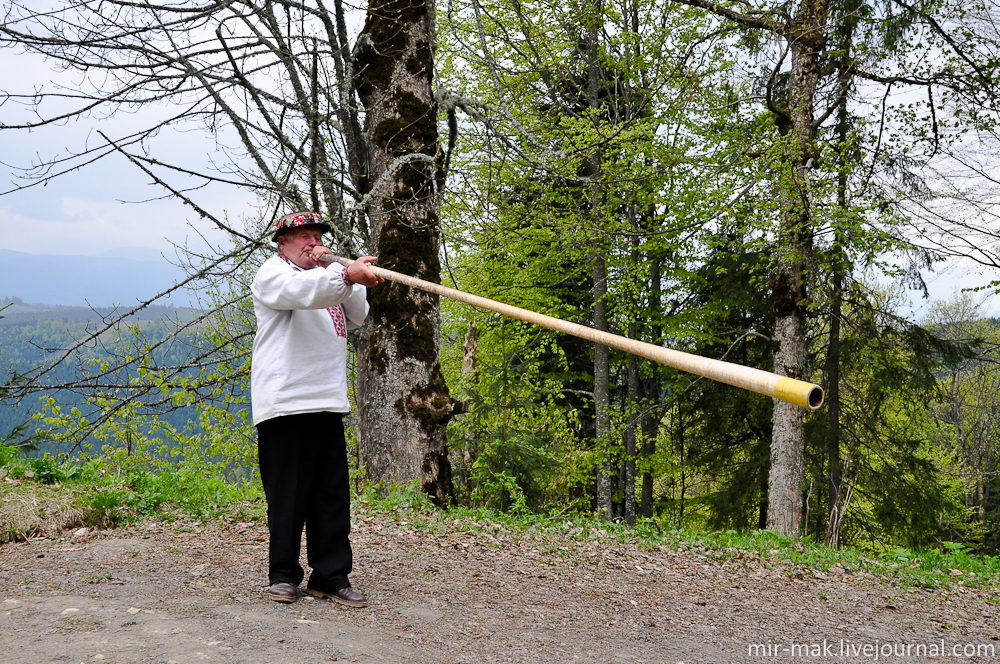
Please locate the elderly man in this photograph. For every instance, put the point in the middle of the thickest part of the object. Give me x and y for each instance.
(298, 388)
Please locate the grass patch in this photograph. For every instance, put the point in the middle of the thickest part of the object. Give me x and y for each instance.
(31, 509)
(45, 497)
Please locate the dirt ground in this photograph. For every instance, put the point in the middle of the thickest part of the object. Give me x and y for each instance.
(169, 593)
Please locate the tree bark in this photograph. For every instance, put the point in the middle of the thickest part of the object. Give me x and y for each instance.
(630, 432)
(602, 390)
(632, 405)
(794, 260)
(651, 417)
(404, 403)
(837, 268)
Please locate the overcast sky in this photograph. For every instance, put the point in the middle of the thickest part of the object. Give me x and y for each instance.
(106, 209)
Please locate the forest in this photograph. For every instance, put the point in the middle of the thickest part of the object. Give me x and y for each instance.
(764, 183)
(32, 334)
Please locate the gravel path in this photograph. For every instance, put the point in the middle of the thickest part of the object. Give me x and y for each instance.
(167, 593)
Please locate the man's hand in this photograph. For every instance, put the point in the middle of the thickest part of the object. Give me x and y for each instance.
(360, 273)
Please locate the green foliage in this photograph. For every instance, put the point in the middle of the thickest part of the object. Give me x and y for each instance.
(111, 489)
(513, 433)
(966, 427)
(7, 454)
(887, 379)
(718, 438)
(610, 173)
(48, 471)
(35, 337)
(103, 508)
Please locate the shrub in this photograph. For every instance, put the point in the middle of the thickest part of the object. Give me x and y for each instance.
(103, 508)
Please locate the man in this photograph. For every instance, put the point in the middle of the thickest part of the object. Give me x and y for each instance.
(298, 387)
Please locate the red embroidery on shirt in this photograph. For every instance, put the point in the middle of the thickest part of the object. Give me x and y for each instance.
(337, 314)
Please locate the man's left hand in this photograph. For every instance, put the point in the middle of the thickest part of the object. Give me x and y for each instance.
(360, 273)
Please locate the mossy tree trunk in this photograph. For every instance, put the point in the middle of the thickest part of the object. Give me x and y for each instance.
(403, 401)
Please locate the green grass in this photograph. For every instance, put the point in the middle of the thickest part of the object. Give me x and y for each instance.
(44, 496)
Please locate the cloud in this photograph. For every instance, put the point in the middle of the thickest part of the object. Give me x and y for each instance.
(83, 227)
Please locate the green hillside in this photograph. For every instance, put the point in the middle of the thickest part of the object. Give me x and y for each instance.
(33, 337)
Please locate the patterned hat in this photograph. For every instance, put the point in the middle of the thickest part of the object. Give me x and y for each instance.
(299, 220)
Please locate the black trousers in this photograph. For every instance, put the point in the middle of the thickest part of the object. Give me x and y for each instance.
(303, 466)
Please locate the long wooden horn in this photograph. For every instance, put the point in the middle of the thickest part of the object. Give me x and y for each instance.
(798, 392)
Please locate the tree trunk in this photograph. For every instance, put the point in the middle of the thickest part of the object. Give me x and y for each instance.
(403, 401)
(682, 495)
(630, 432)
(794, 260)
(632, 402)
(599, 276)
(833, 399)
(651, 418)
(837, 268)
(601, 390)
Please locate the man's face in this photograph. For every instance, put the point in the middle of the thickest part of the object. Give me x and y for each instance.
(297, 243)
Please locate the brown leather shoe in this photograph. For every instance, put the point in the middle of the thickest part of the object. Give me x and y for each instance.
(347, 596)
(283, 592)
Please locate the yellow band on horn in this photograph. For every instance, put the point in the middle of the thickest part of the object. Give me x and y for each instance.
(799, 393)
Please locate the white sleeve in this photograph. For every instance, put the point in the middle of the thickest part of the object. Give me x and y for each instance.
(356, 307)
(279, 286)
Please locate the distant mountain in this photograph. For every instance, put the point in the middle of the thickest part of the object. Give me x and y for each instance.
(98, 281)
(137, 253)
(15, 311)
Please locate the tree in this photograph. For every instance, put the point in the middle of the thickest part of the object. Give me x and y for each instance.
(277, 82)
(802, 92)
(583, 182)
(969, 413)
(891, 488)
(404, 401)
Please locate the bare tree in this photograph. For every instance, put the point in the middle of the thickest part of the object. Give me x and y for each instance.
(276, 84)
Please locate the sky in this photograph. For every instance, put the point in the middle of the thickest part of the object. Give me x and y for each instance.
(109, 207)
(948, 281)
(112, 209)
